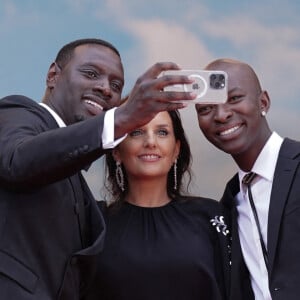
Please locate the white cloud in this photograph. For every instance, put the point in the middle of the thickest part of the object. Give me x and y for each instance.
(9, 8)
(81, 6)
(273, 50)
(12, 16)
(113, 11)
(158, 37)
(164, 41)
(9, 14)
(285, 121)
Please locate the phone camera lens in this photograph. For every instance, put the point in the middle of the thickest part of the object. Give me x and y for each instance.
(217, 84)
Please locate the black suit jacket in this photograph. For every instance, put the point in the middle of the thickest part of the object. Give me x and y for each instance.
(283, 227)
(50, 226)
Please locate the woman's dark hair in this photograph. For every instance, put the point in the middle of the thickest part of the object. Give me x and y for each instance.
(65, 53)
(183, 165)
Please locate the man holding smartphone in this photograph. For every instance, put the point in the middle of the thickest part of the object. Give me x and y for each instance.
(50, 227)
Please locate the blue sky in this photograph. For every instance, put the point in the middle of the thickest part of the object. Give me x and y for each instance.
(192, 32)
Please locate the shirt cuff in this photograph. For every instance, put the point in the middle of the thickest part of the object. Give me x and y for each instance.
(108, 134)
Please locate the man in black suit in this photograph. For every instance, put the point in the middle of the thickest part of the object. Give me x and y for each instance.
(50, 227)
(268, 229)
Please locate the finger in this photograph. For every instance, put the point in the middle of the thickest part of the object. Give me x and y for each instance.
(176, 105)
(159, 67)
(169, 96)
(166, 80)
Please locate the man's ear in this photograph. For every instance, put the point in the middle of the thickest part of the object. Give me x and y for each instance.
(52, 75)
(265, 101)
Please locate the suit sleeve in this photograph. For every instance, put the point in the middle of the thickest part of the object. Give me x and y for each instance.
(33, 151)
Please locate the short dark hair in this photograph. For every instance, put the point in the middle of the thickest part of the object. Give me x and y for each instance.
(184, 161)
(65, 53)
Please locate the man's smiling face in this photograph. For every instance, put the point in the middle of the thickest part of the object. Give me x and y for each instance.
(91, 82)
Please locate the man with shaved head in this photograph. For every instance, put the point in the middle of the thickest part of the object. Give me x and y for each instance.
(264, 206)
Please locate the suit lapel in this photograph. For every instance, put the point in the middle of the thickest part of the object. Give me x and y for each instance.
(237, 262)
(283, 177)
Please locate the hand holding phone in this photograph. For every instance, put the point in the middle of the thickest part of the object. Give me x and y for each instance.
(210, 86)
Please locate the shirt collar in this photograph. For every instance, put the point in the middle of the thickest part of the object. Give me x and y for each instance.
(57, 118)
(265, 163)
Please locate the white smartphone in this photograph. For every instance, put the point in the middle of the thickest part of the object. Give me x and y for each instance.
(210, 86)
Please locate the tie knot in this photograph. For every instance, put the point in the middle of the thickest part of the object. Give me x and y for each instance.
(248, 178)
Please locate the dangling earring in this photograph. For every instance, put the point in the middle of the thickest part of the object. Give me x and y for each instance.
(175, 175)
(263, 113)
(120, 176)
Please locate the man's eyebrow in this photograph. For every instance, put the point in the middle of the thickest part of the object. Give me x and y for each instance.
(235, 89)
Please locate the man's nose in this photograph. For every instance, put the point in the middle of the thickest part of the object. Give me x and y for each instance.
(103, 86)
(223, 112)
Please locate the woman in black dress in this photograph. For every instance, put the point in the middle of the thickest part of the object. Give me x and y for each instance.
(159, 244)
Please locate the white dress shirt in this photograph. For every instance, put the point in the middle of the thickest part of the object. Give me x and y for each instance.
(261, 190)
(108, 133)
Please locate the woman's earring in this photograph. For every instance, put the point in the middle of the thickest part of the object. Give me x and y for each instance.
(263, 113)
(175, 175)
(120, 176)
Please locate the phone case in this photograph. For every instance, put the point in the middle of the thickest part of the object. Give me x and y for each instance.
(210, 86)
